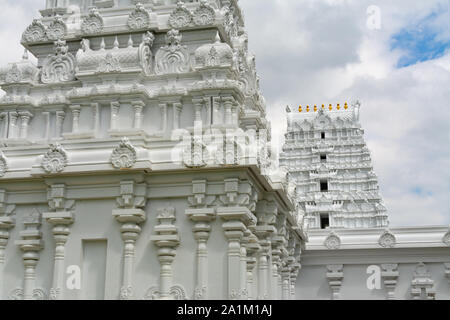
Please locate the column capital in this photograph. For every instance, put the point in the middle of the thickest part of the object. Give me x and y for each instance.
(59, 217)
(129, 215)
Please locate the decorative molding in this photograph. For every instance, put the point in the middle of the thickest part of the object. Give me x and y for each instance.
(3, 164)
(36, 32)
(57, 29)
(447, 271)
(124, 156)
(59, 67)
(181, 17)
(177, 292)
(93, 23)
(387, 240)
(55, 160)
(204, 15)
(139, 18)
(172, 58)
(332, 242)
(422, 286)
(446, 238)
(390, 274)
(335, 276)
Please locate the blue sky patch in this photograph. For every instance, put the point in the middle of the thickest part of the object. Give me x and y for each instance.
(420, 42)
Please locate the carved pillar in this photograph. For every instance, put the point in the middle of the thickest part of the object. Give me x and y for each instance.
(30, 244)
(266, 212)
(295, 268)
(76, 111)
(208, 106)
(228, 104)
(390, 274)
(243, 265)
(25, 118)
(198, 105)
(130, 218)
(6, 223)
(335, 275)
(13, 129)
(60, 116)
(115, 107)
(60, 218)
(96, 113)
(167, 240)
(163, 109)
(216, 110)
(177, 108)
(202, 230)
(5, 121)
(138, 107)
(252, 250)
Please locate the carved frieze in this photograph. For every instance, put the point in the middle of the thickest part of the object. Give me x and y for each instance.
(172, 58)
(36, 32)
(124, 156)
(57, 29)
(55, 160)
(59, 67)
(181, 17)
(93, 23)
(139, 18)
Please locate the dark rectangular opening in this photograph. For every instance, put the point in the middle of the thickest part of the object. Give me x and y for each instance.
(323, 158)
(324, 186)
(324, 221)
(322, 135)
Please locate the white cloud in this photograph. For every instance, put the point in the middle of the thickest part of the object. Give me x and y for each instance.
(317, 51)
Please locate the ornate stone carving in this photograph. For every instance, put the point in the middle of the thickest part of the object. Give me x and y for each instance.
(332, 242)
(57, 29)
(422, 286)
(3, 164)
(446, 238)
(109, 64)
(177, 292)
(55, 160)
(139, 18)
(181, 17)
(93, 23)
(145, 52)
(172, 58)
(204, 15)
(124, 156)
(387, 240)
(35, 32)
(390, 274)
(335, 276)
(196, 153)
(59, 67)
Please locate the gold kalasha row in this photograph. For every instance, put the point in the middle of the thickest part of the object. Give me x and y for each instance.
(330, 107)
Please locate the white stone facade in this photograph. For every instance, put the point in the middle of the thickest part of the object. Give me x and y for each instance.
(135, 153)
(330, 165)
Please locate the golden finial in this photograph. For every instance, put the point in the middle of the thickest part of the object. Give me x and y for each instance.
(315, 108)
(338, 106)
(300, 109)
(346, 106)
(323, 107)
(307, 108)
(330, 107)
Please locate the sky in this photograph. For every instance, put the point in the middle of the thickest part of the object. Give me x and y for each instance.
(393, 56)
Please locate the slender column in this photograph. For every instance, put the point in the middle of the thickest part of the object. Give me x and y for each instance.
(76, 111)
(60, 116)
(216, 110)
(276, 253)
(47, 132)
(96, 113)
(234, 227)
(202, 231)
(6, 223)
(5, 120)
(263, 270)
(25, 118)
(30, 244)
(167, 240)
(253, 248)
(130, 230)
(60, 221)
(208, 105)
(163, 109)
(286, 282)
(198, 105)
(138, 106)
(115, 107)
(13, 117)
(177, 108)
(228, 104)
(243, 264)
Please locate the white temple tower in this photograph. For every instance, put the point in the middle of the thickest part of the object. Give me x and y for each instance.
(328, 161)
